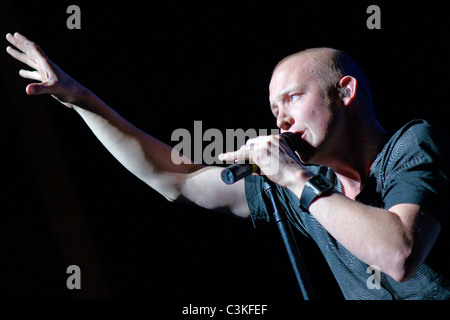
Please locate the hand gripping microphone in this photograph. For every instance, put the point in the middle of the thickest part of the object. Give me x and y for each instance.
(236, 172)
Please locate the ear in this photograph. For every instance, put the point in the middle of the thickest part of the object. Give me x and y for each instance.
(348, 86)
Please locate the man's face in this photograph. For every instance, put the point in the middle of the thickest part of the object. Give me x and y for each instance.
(301, 105)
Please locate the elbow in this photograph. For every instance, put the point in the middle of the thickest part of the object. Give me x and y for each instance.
(400, 269)
(169, 190)
(173, 196)
(405, 274)
(398, 274)
(170, 198)
(402, 263)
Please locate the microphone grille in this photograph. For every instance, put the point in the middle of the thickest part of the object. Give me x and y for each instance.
(292, 140)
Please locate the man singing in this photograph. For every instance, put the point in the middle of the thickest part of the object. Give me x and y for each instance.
(366, 198)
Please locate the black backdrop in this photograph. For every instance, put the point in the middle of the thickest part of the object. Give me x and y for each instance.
(164, 65)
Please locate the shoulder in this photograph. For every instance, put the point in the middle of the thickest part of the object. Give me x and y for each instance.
(416, 139)
(414, 132)
(419, 131)
(414, 167)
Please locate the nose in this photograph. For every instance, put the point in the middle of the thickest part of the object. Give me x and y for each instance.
(284, 119)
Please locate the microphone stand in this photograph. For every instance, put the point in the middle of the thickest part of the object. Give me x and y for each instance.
(236, 172)
(289, 241)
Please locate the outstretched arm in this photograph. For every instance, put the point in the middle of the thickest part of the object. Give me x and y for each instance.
(143, 155)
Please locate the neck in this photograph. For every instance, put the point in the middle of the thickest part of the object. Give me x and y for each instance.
(362, 141)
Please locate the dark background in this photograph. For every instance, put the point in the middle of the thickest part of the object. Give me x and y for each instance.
(163, 65)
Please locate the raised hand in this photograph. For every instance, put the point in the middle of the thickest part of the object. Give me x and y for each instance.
(52, 79)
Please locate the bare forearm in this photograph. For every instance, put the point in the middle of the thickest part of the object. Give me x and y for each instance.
(146, 157)
(143, 155)
(376, 236)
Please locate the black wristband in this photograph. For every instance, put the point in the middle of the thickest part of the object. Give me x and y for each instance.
(314, 188)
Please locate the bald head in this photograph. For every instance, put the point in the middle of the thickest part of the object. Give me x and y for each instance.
(330, 66)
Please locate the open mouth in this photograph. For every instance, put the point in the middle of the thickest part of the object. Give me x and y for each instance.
(300, 134)
(294, 140)
(301, 146)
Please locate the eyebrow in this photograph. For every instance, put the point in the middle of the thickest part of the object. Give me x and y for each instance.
(297, 87)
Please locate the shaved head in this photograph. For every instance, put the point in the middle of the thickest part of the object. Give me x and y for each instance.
(330, 66)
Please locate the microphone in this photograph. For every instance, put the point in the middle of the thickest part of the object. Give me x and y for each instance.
(236, 172)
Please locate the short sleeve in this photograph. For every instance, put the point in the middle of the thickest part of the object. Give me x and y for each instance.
(417, 171)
